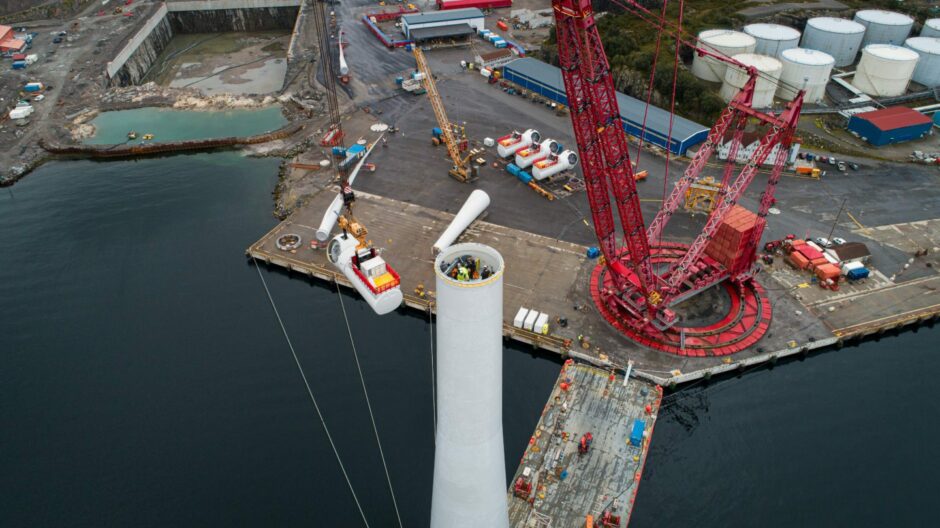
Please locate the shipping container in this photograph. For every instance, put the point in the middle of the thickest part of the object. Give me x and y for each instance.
(636, 434)
(19, 65)
(541, 324)
(827, 271)
(530, 320)
(519, 320)
(797, 260)
(857, 273)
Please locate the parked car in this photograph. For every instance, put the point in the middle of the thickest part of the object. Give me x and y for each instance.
(842, 166)
(838, 241)
(823, 242)
(57, 40)
(832, 160)
(854, 166)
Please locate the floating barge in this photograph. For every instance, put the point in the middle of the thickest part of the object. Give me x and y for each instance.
(556, 484)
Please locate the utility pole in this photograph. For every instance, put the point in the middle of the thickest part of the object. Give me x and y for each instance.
(834, 222)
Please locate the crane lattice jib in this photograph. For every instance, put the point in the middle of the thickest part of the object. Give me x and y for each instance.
(602, 143)
(780, 133)
(715, 136)
(438, 105)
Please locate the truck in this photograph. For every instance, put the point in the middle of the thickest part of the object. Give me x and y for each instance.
(808, 171)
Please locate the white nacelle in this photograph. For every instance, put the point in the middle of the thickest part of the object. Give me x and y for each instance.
(340, 253)
(509, 145)
(554, 164)
(528, 156)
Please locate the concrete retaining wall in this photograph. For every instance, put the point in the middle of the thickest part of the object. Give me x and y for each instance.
(197, 16)
(134, 43)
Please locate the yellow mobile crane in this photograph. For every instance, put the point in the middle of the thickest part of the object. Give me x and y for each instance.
(462, 170)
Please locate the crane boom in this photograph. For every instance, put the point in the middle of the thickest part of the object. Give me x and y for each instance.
(461, 169)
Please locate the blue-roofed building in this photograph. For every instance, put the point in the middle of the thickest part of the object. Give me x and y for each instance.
(440, 23)
(545, 80)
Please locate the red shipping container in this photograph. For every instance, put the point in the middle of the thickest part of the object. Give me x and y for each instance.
(827, 271)
(818, 262)
(810, 253)
(798, 260)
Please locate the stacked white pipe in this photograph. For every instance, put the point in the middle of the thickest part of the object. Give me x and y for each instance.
(931, 28)
(804, 69)
(510, 144)
(773, 39)
(469, 460)
(885, 70)
(884, 27)
(839, 37)
(476, 203)
(527, 156)
(736, 77)
(927, 71)
(554, 164)
(724, 42)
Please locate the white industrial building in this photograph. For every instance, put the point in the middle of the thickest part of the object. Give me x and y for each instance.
(442, 24)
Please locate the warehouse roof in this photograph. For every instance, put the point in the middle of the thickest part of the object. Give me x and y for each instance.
(452, 30)
(894, 117)
(631, 108)
(441, 16)
(851, 250)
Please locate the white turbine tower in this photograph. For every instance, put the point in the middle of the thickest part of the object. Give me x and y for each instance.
(469, 461)
(343, 67)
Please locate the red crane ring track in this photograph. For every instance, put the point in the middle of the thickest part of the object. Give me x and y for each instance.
(745, 323)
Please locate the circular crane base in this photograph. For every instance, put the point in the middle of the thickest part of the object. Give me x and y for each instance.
(742, 325)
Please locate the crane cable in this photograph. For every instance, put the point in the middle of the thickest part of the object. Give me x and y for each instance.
(672, 102)
(310, 393)
(649, 89)
(365, 392)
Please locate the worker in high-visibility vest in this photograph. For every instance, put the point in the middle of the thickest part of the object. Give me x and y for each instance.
(463, 274)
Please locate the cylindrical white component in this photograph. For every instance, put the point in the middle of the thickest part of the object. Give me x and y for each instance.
(764, 88)
(804, 69)
(885, 70)
(343, 67)
(839, 37)
(469, 461)
(554, 164)
(528, 156)
(476, 203)
(931, 28)
(332, 212)
(772, 39)
(340, 253)
(884, 27)
(509, 145)
(927, 71)
(722, 41)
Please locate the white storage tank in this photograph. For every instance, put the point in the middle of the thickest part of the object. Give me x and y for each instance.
(884, 27)
(927, 71)
(722, 41)
(766, 86)
(804, 69)
(839, 37)
(885, 70)
(772, 39)
(931, 28)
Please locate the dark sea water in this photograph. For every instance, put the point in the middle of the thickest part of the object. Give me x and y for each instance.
(144, 381)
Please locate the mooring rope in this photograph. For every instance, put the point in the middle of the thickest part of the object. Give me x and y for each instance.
(310, 393)
(365, 392)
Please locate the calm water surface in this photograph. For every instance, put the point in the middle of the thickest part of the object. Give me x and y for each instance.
(144, 381)
(167, 124)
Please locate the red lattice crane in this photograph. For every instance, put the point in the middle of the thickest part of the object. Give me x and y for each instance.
(640, 281)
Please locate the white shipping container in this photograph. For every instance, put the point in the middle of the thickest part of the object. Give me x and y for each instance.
(485, 72)
(519, 320)
(21, 112)
(849, 266)
(530, 320)
(32, 58)
(541, 324)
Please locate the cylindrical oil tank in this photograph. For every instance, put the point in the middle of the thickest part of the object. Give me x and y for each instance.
(804, 69)
(931, 28)
(772, 39)
(885, 70)
(927, 71)
(469, 461)
(839, 37)
(766, 86)
(722, 41)
(884, 27)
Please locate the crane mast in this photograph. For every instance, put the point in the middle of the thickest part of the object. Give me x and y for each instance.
(461, 170)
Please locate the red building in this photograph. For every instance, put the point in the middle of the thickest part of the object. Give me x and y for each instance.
(9, 44)
(479, 4)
